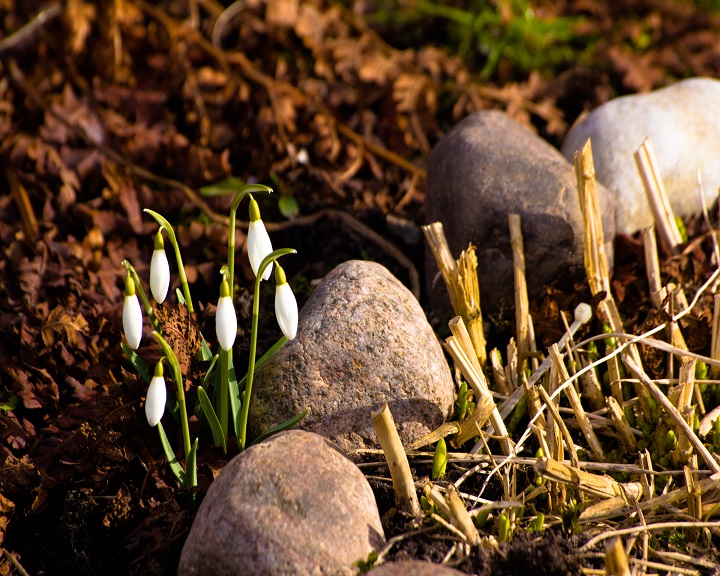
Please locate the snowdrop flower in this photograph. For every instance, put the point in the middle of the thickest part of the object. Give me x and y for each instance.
(159, 270)
(225, 318)
(132, 315)
(258, 240)
(156, 397)
(286, 308)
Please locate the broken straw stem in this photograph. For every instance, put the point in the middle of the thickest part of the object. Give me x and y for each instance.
(583, 314)
(402, 479)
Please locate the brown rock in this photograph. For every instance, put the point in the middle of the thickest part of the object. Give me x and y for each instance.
(362, 339)
(292, 505)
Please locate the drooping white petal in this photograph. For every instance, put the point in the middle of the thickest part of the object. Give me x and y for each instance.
(286, 310)
(155, 400)
(132, 321)
(159, 275)
(225, 323)
(259, 246)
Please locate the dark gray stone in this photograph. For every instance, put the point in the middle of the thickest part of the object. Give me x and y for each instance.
(413, 568)
(488, 166)
(683, 122)
(292, 505)
(362, 339)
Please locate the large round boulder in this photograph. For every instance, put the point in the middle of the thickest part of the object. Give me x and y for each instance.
(683, 124)
(488, 166)
(362, 339)
(292, 505)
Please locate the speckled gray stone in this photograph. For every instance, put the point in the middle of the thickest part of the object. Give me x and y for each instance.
(292, 505)
(683, 122)
(487, 166)
(362, 339)
(413, 568)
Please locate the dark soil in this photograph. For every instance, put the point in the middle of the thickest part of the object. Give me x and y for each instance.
(107, 108)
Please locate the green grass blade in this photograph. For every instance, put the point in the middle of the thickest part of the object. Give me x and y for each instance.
(280, 427)
(205, 353)
(234, 392)
(264, 358)
(138, 363)
(175, 467)
(218, 436)
(210, 368)
(191, 476)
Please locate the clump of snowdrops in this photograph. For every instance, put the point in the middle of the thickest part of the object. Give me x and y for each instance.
(223, 400)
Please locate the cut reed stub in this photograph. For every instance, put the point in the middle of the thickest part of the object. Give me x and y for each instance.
(403, 484)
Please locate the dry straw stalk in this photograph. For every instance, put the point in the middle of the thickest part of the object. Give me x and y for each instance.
(402, 479)
(657, 197)
(462, 285)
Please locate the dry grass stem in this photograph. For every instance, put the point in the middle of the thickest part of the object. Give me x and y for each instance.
(402, 479)
(652, 266)
(657, 197)
(596, 265)
(470, 310)
(462, 284)
(533, 403)
(715, 341)
(592, 390)
(682, 395)
(694, 501)
(616, 562)
(617, 415)
(706, 424)
(454, 509)
(600, 486)
(522, 304)
(479, 384)
(459, 329)
(435, 236)
(460, 517)
(554, 439)
(647, 480)
(498, 371)
(434, 494)
(648, 527)
(473, 425)
(672, 412)
(512, 363)
(577, 406)
(445, 429)
(669, 568)
(680, 557)
(558, 421)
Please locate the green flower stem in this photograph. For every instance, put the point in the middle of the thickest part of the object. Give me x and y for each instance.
(253, 341)
(181, 269)
(177, 376)
(239, 195)
(224, 391)
(143, 297)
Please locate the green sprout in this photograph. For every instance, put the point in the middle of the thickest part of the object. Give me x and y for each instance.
(439, 460)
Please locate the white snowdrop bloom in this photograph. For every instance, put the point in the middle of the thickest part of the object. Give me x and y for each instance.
(258, 241)
(225, 318)
(286, 308)
(159, 270)
(156, 397)
(132, 315)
